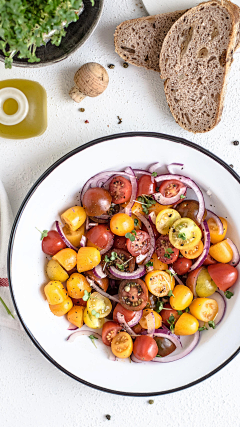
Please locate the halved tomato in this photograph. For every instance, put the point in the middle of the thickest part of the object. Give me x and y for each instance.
(184, 234)
(133, 294)
(171, 188)
(146, 186)
(165, 251)
(159, 283)
(141, 244)
(224, 275)
(204, 309)
(193, 252)
(165, 219)
(99, 236)
(128, 314)
(109, 331)
(120, 189)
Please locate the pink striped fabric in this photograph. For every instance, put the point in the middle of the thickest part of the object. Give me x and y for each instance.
(4, 283)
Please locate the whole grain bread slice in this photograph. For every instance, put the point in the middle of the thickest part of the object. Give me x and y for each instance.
(195, 60)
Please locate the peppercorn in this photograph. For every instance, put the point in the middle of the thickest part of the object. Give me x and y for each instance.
(125, 65)
(151, 402)
(111, 66)
(231, 166)
(235, 142)
(108, 417)
(82, 110)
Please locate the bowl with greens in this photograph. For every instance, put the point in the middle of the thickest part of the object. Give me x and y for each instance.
(41, 32)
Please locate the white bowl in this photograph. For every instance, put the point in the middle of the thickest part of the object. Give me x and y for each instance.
(57, 189)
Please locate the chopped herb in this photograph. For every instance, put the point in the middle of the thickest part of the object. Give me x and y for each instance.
(154, 174)
(113, 256)
(179, 312)
(44, 233)
(203, 328)
(182, 196)
(131, 236)
(212, 324)
(92, 338)
(170, 294)
(182, 236)
(146, 202)
(228, 294)
(136, 222)
(159, 306)
(171, 321)
(86, 295)
(120, 266)
(95, 313)
(170, 251)
(6, 308)
(158, 355)
(187, 310)
(149, 264)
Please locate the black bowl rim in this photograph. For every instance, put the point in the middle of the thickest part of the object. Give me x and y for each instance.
(18, 217)
(81, 42)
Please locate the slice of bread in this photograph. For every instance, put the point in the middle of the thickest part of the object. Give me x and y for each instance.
(195, 59)
(139, 41)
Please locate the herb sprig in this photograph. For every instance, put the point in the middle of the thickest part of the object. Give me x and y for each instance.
(147, 202)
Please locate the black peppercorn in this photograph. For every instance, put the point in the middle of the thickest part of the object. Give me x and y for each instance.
(235, 142)
(108, 417)
(111, 66)
(125, 65)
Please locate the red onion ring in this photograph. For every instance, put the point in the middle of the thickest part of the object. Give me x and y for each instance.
(66, 241)
(77, 334)
(98, 271)
(152, 218)
(108, 247)
(176, 276)
(89, 224)
(144, 172)
(124, 275)
(123, 323)
(199, 262)
(178, 165)
(136, 318)
(83, 241)
(169, 200)
(194, 284)
(72, 327)
(191, 184)
(135, 359)
(222, 306)
(165, 331)
(150, 324)
(184, 353)
(141, 258)
(217, 220)
(236, 256)
(101, 291)
(173, 338)
(133, 179)
(148, 226)
(154, 167)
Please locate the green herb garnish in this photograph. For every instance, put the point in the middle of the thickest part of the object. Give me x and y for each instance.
(146, 202)
(171, 321)
(92, 338)
(168, 253)
(154, 174)
(95, 313)
(179, 312)
(149, 264)
(182, 196)
(159, 306)
(131, 236)
(171, 273)
(187, 310)
(6, 308)
(212, 324)
(120, 266)
(203, 328)
(86, 295)
(136, 222)
(44, 233)
(170, 294)
(228, 294)
(182, 236)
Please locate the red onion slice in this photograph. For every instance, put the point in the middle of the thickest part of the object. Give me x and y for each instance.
(124, 275)
(191, 184)
(111, 356)
(108, 247)
(66, 241)
(83, 241)
(216, 219)
(135, 359)
(98, 271)
(101, 291)
(72, 327)
(169, 200)
(136, 318)
(150, 231)
(154, 167)
(152, 218)
(193, 287)
(188, 350)
(133, 179)
(173, 338)
(174, 165)
(176, 276)
(222, 306)
(89, 224)
(200, 260)
(236, 256)
(141, 258)
(77, 334)
(123, 323)
(150, 324)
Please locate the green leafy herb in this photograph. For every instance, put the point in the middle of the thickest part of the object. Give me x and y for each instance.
(170, 294)
(147, 202)
(168, 253)
(203, 328)
(182, 196)
(112, 257)
(149, 264)
(154, 174)
(136, 222)
(158, 355)
(6, 308)
(86, 295)
(159, 306)
(228, 294)
(182, 236)
(120, 266)
(171, 273)
(171, 321)
(92, 338)
(44, 233)
(212, 324)
(187, 310)
(95, 313)
(131, 236)
(179, 312)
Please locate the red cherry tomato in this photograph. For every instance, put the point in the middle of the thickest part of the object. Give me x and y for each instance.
(141, 244)
(138, 329)
(96, 201)
(165, 250)
(209, 260)
(133, 294)
(145, 348)
(129, 315)
(120, 189)
(171, 188)
(120, 242)
(165, 314)
(100, 236)
(182, 265)
(52, 243)
(224, 275)
(109, 331)
(146, 186)
(79, 301)
(103, 283)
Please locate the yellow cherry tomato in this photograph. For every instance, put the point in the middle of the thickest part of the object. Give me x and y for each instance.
(92, 321)
(204, 309)
(98, 305)
(182, 297)
(193, 252)
(215, 236)
(67, 258)
(56, 272)
(137, 208)
(74, 237)
(158, 208)
(157, 317)
(159, 282)
(157, 264)
(122, 345)
(87, 259)
(166, 219)
(121, 224)
(186, 325)
(55, 292)
(75, 315)
(74, 217)
(61, 309)
(76, 285)
(221, 252)
(184, 234)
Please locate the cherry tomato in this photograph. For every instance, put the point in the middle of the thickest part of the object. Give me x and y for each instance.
(165, 346)
(170, 188)
(133, 294)
(193, 252)
(157, 264)
(182, 298)
(224, 275)
(120, 242)
(186, 325)
(209, 260)
(122, 258)
(184, 234)
(165, 251)
(221, 252)
(67, 258)
(74, 237)
(141, 244)
(152, 301)
(145, 348)
(182, 265)
(121, 224)
(204, 309)
(74, 217)
(215, 236)
(99, 236)
(103, 283)
(146, 186)
(56, 272)
(168, 311)
(79, 301)
(122, 345)
(205, 286)
(159, 282)
(120, 189)
(98, 305)
(165, 219)
(87, 259)
(157, 317)
(92, 321)
(96, 201)
(55, 292)
(129, 315)
(109, 331)
(137, 329)
(52, 243)
(189, 209)
(76, 285)
(75, 316)
(62, 308)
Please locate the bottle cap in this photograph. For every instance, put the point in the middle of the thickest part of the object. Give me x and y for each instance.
(23, 106)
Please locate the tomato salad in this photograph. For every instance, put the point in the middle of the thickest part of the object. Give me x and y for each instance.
(142, 263)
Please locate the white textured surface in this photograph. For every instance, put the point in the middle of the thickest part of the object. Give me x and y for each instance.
(33, 392)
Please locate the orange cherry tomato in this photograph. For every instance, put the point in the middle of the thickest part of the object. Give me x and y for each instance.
(204, 309)
(67, 258)
(74, 217)
(55, 292)
(122, 345)
(121, 224)
(62, 308)
(159, 282)
(74, 237)
(193, 252)
(76, 285)
(75, 315)
(87, 259)
(181, 298)
(157, 264)
(221, 252)
(186, 325)
(157, 317)
(215, 236)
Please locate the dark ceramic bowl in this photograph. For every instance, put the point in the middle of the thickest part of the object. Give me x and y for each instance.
(76, 34)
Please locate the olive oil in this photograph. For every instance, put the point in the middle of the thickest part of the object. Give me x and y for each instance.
(23, 109)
